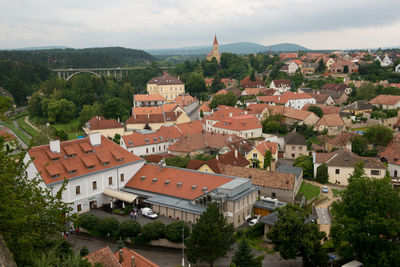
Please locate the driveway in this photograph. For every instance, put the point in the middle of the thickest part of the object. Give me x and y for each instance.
(323, 216)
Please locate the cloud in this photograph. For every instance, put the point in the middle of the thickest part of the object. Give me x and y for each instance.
(168, 23)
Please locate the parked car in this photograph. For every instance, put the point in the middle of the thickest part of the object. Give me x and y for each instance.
(325, 189)
(147, 212)
(254, 221)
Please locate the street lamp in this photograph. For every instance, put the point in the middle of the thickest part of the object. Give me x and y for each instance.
(183, 246)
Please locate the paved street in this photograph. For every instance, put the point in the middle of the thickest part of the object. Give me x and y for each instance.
(323, 216)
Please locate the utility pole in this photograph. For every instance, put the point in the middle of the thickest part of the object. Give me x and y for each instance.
(183, 246)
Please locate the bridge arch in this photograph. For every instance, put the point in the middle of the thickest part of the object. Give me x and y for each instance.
(82, 71)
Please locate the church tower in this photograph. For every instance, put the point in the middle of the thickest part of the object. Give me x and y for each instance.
(214, 53)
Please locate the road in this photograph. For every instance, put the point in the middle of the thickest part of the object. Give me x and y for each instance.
(323, 216)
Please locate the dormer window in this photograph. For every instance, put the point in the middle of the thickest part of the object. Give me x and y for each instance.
(146, 140)
(55, 176)
(130, 143)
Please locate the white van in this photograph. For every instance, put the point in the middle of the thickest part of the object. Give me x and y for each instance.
(353, 264)
(147, 212)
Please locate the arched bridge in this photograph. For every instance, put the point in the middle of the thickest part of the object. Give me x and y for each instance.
(67, 74)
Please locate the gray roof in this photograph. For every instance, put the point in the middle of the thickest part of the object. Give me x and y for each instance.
(294, 138)
(345, 158)
(268, 205)
(270, 219)
(290, 169)
(176, 203)
(359, 105)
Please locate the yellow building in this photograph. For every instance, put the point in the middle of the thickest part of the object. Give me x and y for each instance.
(153, 121)
(257, 154)
(214, 52)
(167, 86)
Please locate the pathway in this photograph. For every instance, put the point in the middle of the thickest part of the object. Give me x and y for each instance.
(31, 124)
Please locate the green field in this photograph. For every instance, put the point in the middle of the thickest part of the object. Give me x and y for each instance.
(26, 127)
(336, 192)
(71, 129)
(309, 190)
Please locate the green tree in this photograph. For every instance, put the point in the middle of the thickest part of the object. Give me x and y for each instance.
(379, 135)
(84, 251)
(61, 111)
(31, 217)
(107, 227)
(366, 220)
(217, 84)
(293, 237)
(201, 114)
(89, 112)
(35, 105)
(228, 99)
(252, 76)
(317, 110)
(210, 68)
(129, 229)
(117, 138)
(366, 91)
(5, 105)
(307, 164)
(116, 108)
(321, 66)
(211, 236)
(322, 174)
(267, 159)
(243, 256)
(153, 230)
(177, 161)
(173, 231)
(359, 145)
(195, 84)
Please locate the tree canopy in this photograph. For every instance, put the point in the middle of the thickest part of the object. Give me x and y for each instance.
(243, 256)
(322, 174)
(306, 162)
(316, 110)
(379, 135)
(228, 99)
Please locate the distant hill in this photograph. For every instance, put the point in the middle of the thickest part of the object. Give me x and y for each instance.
(81, 58)
(40, 48)
(236, 48)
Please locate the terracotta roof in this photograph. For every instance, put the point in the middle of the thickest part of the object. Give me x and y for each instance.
(229, 158)
(385, 100)
(287, 55)
(323, 157)
(359, 105)
(221, 92)
(175, 182)
(334, 87)
(292, 96)
(270, 91)
(269, 98)
(152, 97)
(391, 152)
(298, 62)
(191, 127)
(239, 123)
(321, 98)
(342, 139)
(256, 108)
(99, 123)
(6, 135)
(255, 91)
(42, 155)
(200, 141)
(184, 100)
(243, 146)
(139, 139)
(246, 82)
(282, 82)
(294, 138)
(194, 164)
(103, 256)
(127, 255)
(166, 117)
(205, 107)
(259, 177)
(165, 79)
(156, 109)
(156, 158)
(223, 112)
(326, 110)
(343, 158)
(331, 120)
(263, 147)
(296, 113)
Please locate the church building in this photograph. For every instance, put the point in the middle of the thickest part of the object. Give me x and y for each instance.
(214, 52)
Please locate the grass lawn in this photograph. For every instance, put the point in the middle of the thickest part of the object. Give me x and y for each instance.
(26, 127)
(71, 129)
(363, 129)
(260, 245)
(309, 190)
(336, 192)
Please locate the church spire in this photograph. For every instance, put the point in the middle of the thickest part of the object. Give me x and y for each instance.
(215, 40)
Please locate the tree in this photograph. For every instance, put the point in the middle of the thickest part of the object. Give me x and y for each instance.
(195, 84)
(366, 91)
(117, 138)
(316, 110)
(228, 99)
(294, 237)
(252, 76)
(35, 105)
(173, 231)
(107, 227)
(243, 256)
(359, 145)
(379, 135)
(84, 251)
(5, 105)
(31, 217)
(217, 84)
(306, 162)
(61, 111)
(267, 159)
(322, 174)
(366, 221)
(201, 113)
(129, 229)
(211, 236)
(89, 112)
(177, 161)
(321, 66)
(153, 230)
(116, 108)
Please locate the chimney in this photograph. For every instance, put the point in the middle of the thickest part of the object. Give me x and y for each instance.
(118, 120)
(55, 146)
(121, 256)
(216, 157)
(95, 139)
(230, 114)
(134, 115)
(133, 264)
(148, 115)
(236, 153)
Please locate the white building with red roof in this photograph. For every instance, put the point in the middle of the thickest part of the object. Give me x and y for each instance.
(245, 126)
(222, 112)
(108, 128)
(289, 99)
(148, 100)
(282, 85)
(96, 169)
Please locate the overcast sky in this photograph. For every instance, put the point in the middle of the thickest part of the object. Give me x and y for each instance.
(145, 24)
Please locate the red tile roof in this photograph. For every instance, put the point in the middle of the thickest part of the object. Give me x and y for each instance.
(169, 177)
(80, 162)
(268, 98)
(321, 98)
(283, 99)
(170, 132)
(127, 255)
(326, 110)
(157, 157)
(257, 108)
(205, 107)
(391, 152)
(6, 135)
(331, 120)
(239, 123)
(221, 92)
(139, 139)
(166, 117)
(194, 164)
(282, 83)
(246, 82)
(165, 79)
(99, 123)
(156, 109)
(342, 139)
(255, 91)
(334, 87)
(223, 112)
(385, 100)
(104, 256)
(296, 114)
(152, 97)
(232, 158)
(191, 127)
(184, 100)
(263, 147)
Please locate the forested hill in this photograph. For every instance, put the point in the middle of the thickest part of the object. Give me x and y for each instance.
(81, 58)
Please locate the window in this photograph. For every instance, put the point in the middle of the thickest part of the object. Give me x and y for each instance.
(274, 195)
(300, 148)
(337, 171)
(293, 155)
(77, 189)
(94, 185)
(79, 207)
(153, 148)
(293, 148)
(147, 150)
(254, 155)
(110, 180)
(375, 172)
(122, 177)
(395, 173)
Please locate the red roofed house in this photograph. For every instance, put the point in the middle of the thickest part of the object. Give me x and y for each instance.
(167, 86)
(9, 140)
(184, 194)
(247, 83)
(221, 113)
(254, 91)
(326, 110)
(145, 144)
(108, 128)
(95, 167)
(386, 101)
(258, 110)
(187, 102)
(282, 86)
(205, 107)
(257, 155)
(293, 116)
(245, 126)
(153, 121)
(289, 99)
(148, 100)
(332, 122)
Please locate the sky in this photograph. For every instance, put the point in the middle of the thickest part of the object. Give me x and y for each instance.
(150, 24)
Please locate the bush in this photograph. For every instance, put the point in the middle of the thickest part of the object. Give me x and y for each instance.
(128, 209)
(83, 252)
(153, 231)
(255, 231)
(173, 231)
(117, 211)
(88, 221)
(129, 229)
(108, 227)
